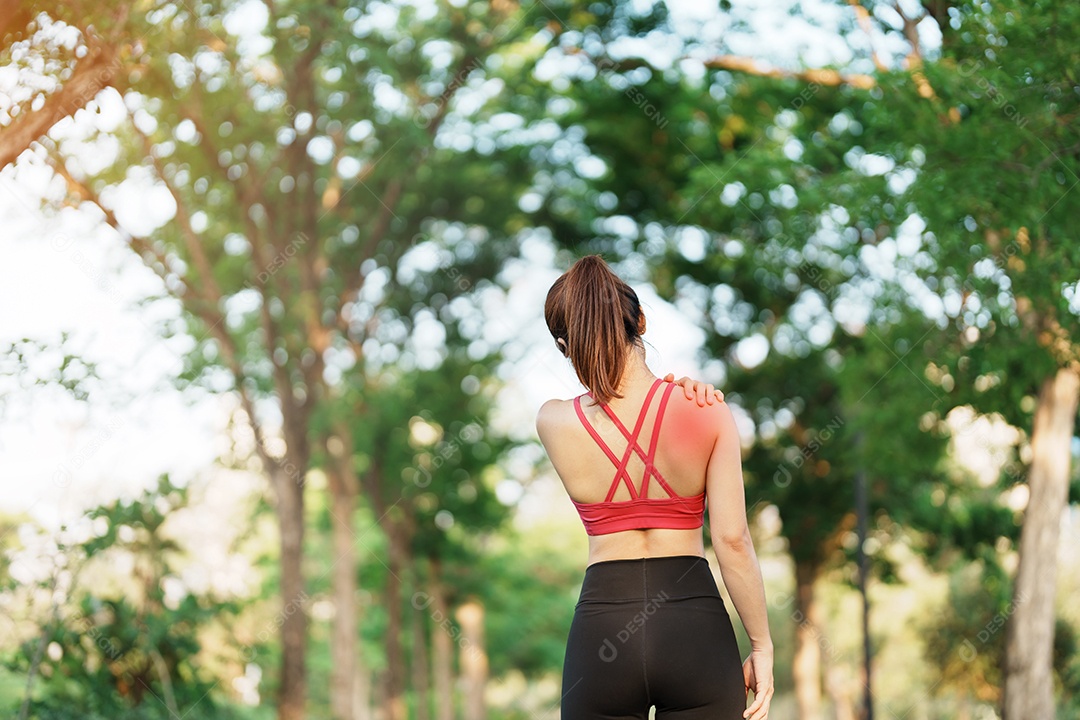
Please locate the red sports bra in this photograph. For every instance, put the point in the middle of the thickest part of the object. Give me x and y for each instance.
(640, 511)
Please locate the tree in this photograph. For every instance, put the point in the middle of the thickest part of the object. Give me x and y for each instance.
(425, 459)
(996, 167)
(742, 208)
(297, 197)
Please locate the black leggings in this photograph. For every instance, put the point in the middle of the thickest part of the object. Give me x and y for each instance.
(651, 631)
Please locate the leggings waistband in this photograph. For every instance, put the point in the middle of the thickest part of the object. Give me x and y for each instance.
(661, 578)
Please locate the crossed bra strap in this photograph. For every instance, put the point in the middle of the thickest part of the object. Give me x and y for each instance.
(632, 444)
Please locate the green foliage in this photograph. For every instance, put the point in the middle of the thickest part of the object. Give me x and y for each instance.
(119, 648)
(965, 639)
(529, 602)
(28, 364)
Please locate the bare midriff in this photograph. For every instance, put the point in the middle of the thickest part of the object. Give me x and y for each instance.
(652, 542)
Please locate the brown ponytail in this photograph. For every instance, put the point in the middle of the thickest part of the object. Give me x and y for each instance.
(595, 315)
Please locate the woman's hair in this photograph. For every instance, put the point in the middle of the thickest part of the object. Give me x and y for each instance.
(596, 315)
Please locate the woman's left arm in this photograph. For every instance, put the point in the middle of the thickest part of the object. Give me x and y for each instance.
(703, 393)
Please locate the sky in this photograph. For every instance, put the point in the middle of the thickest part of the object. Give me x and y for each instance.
(71, 273)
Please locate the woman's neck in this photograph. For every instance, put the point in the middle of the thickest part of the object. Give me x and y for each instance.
(636, 372)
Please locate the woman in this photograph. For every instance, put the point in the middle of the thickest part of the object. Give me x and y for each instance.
(650, 627)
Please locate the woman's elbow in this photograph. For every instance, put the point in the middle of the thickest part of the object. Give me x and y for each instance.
(733, 541)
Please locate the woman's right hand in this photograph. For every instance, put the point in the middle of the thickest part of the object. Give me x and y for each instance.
(758, 677)
(700, 392)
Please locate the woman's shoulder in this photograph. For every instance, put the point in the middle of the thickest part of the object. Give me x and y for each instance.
(554, 412)
(690, 420)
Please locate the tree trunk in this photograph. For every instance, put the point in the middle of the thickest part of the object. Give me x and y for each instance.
(420, 678)
(442, 649)
(379, 705)
(14, 18)
(343, 639)
(840, 692)
(362, 691)
(293, 688)
(1029, 636)
(806, 667)
(474, 662)
(388, 685)
(394, 676)
(93, 72)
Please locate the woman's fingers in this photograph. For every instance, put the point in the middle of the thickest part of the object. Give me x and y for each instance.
(699, 388)
(688, 386)
(701, 393)
(763, 691)
(693, 390)
(749, 682)
(759, 710)
(683, 382)
(709, 392)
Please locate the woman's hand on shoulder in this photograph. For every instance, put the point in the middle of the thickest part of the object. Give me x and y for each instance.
(702, 393)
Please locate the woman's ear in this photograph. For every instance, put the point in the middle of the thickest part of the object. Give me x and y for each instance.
(561, 344)
(641, 323)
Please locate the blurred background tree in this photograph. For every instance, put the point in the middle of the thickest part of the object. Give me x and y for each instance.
(298, 197)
